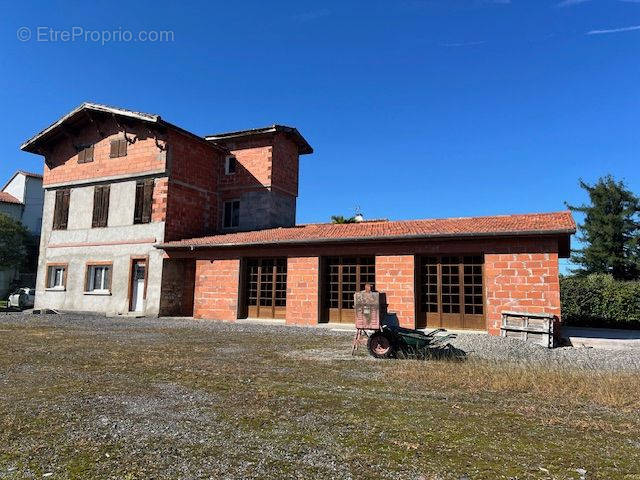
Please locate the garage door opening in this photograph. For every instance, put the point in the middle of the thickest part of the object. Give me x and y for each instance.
(451, 292)
(342, 277)
(266, 287)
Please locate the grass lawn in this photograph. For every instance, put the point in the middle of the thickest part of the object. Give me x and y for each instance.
(3, 304)
(119, 399)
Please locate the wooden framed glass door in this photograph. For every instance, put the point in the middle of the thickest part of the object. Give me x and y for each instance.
(266, 287)
(451, 292)
(344, 276)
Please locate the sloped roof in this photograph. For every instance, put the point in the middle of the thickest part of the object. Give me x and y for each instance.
(32, 144)
(502, 225)
(8, 198)
(23, 172)
(293, 133)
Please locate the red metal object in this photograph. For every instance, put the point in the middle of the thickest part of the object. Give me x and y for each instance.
(370, 310)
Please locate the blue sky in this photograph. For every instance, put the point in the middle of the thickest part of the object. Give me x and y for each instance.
(415, 108)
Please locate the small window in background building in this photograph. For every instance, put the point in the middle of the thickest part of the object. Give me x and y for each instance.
(230, 165)
(118, 148)
(61, 209)
(144, 201)
(98, 279)
(231, 214)
(56, 277)
(85, 154)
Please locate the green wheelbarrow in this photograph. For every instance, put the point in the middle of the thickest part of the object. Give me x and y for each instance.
(392, 341)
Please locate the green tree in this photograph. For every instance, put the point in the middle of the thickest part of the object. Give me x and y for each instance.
(13, 242)
(610, 231)
(341, 219)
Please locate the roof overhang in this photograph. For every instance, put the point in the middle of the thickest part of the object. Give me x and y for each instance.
(293, 133)
(350, 240)
(85, 111)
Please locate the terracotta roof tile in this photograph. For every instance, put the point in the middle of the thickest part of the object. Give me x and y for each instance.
(8, 198)
(536, 223)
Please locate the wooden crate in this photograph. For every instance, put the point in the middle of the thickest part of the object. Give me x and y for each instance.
(539, 328)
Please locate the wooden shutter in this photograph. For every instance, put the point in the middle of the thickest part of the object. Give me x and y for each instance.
(144, 201)
(87, 273)
(137, 214)
(65, 209)
(61, 210)
(115, 148)
(57, 211)
(107, 279)
(85, 155)
(118, 148)
(100, 206)
(148, 201)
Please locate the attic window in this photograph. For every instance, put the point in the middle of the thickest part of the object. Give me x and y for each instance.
(85, 154)
(230, 165)
(118, 148)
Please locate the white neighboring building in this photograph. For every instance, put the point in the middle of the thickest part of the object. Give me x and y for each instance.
(22, 198)
(26, 188)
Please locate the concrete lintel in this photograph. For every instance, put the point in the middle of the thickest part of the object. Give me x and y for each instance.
(112, 178)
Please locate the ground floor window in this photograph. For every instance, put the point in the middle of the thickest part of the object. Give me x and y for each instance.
(98, 278)
(266, 287)
(451, 292)
(344, 276)
(56, 276)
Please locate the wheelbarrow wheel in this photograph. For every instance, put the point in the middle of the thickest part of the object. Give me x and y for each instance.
(380, 345)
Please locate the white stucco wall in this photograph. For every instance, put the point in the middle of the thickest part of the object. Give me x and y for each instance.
(16, 186)
(29, 191)
(80, 244)
(33, 203)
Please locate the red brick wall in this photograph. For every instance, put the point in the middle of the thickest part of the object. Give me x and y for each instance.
(192, 202)
(177, 287)
(216, 289)
(520, 273)
(520, 281)
(302, 290)
(142, 156)
(159, 205)
(285, 165)
(253, 168)
(263, 162)
(395, 276)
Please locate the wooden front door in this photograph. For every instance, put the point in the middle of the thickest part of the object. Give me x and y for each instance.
(344, 276)
(266, 287)
(451, 292)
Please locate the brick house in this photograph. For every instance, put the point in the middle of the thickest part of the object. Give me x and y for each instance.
(143, 216)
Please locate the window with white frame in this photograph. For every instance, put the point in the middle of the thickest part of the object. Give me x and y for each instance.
(230, 164)
(56, 277)
(231, 214)
(98, 279)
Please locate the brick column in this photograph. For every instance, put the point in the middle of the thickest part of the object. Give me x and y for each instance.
(303, 283)
(525, 282)
(395, 276)
(216, 289)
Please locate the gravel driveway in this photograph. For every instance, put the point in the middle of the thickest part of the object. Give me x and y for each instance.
(93, 397)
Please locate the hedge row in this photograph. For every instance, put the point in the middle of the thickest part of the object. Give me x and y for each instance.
(600, 301)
